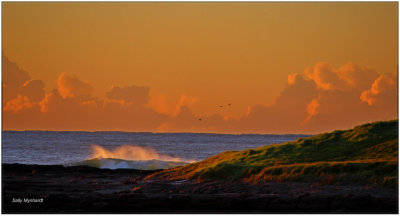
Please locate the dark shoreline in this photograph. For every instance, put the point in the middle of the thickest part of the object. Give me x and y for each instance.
(80, 189)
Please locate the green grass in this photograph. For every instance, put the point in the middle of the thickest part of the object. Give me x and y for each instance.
(366, 154)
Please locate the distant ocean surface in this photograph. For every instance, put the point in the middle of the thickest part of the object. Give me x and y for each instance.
(66, 148)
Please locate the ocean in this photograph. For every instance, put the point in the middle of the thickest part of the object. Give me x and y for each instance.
(127, 149)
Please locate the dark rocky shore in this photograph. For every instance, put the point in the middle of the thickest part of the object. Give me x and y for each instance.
(58, 189)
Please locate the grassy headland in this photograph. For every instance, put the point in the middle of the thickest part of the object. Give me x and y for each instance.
(366, 154)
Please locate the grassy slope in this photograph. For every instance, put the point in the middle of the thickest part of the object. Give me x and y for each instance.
(366, 154)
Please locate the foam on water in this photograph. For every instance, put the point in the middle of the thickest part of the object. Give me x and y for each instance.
(131, 157)
(129, 152)
(112, 163)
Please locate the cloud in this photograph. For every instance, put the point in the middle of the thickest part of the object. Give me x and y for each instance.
(357, 78)
(136, 94)
(71, 107)
(343, 100)
(384, 88)
(312, 109)
(12, 79)
(17, 104)
(163, 104)
(322, 98)
(349, 76)
(56, 103)
(185, 121)
(159, 102)
(69, 86)
(297, 94)
(184, 103)
(19, 90)
(336, 109)
(288, 111)
(13, 76)
(325, 98)
(28, 95)
(122, 115)
(79, 113)
(34, 90)
(324, 76)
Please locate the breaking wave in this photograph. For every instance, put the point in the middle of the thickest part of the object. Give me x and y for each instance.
(131, 157)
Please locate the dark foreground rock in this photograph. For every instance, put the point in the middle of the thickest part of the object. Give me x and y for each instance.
(58, 189)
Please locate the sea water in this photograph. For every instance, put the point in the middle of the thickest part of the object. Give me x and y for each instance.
(127, 149)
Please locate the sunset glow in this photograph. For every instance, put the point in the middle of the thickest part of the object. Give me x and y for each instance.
(198, 67)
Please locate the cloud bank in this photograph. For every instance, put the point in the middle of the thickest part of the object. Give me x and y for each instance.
(322, 98)
(332, 99)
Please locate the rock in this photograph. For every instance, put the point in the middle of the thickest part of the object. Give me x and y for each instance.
(317, 204)
(104, 191)
(284, 204)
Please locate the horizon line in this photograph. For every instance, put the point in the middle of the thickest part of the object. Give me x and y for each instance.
(148, 132)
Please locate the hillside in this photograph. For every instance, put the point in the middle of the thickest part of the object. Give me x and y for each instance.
(366, 154)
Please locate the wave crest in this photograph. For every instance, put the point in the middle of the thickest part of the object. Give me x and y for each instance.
(109, 163)
(131, 157)
(133, 153)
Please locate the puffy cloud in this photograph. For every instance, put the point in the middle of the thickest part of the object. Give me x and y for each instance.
(123, 115)
(12, 79)
(69, 86)
(312, 109)
(357, 77)
(297, 94)
(13, 76)
(326, 99)
(17, 104)
(136, 94)
(287, 112)
(320, 99)
(162, 104)
(336, 109)
(19, 90)
(159, 102)
(75, 109)
(383, 89)
(293, 78)
(324, 76)
(70, 113)
(185, 101)
(345, 104)
(56, 103)
(34, 90)
(349, 76)
(28, 95)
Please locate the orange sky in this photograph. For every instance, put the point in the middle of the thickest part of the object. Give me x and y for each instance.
(284, 67)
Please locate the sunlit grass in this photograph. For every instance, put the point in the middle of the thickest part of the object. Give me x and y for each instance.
(367, 154)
